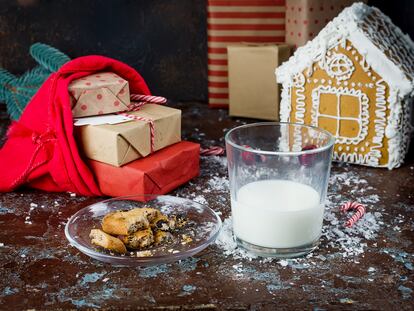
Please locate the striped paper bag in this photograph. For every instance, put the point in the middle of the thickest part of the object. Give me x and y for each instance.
(238, 21)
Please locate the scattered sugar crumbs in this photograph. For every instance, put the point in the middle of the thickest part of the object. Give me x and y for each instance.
(339, 241)
(185, 239)
(146, 253)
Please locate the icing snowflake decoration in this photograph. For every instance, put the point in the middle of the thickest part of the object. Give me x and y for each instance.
(298, 80)
(356, 80)
(339, 66)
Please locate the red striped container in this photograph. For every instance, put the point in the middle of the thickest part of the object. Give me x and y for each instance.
(237, 21)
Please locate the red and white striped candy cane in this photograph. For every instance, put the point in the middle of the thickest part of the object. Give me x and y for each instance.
(148, 99)
(346, 206)
(135, 106)
(360, 211)
(212, 151)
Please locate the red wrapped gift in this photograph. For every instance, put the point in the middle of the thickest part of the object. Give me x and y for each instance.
(158, 173)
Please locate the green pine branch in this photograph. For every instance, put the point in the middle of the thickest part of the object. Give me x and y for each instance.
(34, 77)
(6, 82)
(47, 56)
(16, 92)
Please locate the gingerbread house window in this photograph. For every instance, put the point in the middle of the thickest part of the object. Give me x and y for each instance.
(341, 111)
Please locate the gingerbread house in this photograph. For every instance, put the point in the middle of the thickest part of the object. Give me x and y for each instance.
(356, 80)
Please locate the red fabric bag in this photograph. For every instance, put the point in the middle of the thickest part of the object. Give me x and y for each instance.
(159, 173)
(41, 150)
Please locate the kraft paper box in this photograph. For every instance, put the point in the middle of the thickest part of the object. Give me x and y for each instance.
(118, 144)
(99, 93)
(158, 173)
(253, 91)
(305, 18)
(231, 22)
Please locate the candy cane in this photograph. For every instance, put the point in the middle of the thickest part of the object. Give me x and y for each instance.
(360, 211)
(212, 151)
(148, 99)
(135, 106)
(346, 206)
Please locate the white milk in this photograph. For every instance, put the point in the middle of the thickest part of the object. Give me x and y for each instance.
(277, 214)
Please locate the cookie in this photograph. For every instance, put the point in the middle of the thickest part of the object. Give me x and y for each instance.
(161, 237)
(104, 240)
(161, 222)
(139, 239)
(124, 223)
(150, 213)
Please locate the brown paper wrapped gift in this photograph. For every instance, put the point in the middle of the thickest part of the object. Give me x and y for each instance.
(100, 93)
(253, 92)
(305, 18)
(235, 21)
(118, 144)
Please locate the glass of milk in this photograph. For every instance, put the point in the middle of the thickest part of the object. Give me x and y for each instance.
(278, 182)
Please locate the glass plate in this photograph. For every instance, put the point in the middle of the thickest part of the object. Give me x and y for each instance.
(204, 228)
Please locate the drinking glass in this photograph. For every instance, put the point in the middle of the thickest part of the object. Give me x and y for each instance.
(278, 176)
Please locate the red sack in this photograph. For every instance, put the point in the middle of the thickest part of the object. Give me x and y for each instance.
(40, 150)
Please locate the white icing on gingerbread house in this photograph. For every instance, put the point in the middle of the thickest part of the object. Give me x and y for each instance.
(356, 80)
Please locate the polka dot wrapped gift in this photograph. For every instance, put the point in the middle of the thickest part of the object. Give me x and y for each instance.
(305, 18)
(100, 93)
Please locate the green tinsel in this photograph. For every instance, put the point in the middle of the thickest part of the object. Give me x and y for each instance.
(16, 92)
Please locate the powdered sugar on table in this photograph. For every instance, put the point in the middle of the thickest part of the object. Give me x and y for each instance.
(336, 240)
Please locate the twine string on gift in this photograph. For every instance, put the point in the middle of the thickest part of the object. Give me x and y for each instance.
(151, 125)
(139, 102)
(360, 211)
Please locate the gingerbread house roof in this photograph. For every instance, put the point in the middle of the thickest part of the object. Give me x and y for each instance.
(383, 46)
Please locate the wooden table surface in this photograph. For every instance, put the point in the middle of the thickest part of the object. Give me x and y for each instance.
(39, 270)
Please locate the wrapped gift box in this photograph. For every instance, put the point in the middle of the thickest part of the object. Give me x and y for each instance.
(100, 93)
(305, 18)
(237, 21)
(253, 92)
(118, 144)
(159, 173)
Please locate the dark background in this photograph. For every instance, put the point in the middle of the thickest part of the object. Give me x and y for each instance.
(165, 40)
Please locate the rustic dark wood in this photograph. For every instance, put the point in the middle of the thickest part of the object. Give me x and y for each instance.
(164, 40)
(39, 270)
